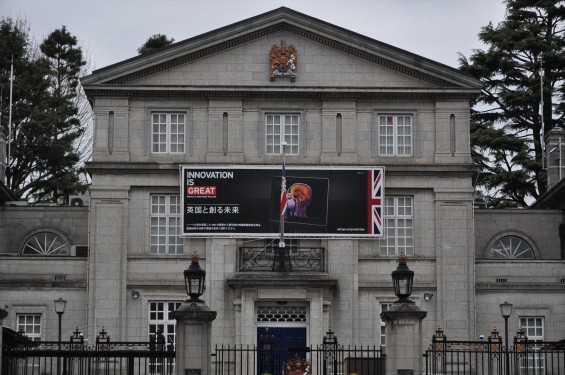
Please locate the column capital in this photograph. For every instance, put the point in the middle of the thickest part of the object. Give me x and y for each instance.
(403, 311)
(194, 311)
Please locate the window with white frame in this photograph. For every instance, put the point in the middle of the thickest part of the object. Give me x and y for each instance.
(161, 319)
(384, 307)
(165, 224)
(30, 325)
(510, 247)
(535, 361)
(45, 243)
(533, 327)
(282, 127)
(168, 133)
(399, 226)
(395, 135)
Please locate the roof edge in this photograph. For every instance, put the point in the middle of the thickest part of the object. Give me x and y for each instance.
(279, 16)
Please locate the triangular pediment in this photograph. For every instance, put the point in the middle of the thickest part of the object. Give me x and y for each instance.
(328, 57)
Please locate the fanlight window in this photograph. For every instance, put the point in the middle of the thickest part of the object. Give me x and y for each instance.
(45, 244)
(510, 247)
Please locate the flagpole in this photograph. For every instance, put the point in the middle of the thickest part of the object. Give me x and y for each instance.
(541, 110)
(281, 267)
(10, 114)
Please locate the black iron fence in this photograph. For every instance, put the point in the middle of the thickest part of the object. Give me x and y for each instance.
(318, 360)
(491, 357)
(74, 357)
(298, 259)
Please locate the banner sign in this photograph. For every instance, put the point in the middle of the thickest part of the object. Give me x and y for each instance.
(247, 201)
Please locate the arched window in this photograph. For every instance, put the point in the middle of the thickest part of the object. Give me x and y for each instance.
(45, 243)
(510, 247)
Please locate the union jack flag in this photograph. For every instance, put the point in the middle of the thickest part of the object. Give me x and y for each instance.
(375, 201)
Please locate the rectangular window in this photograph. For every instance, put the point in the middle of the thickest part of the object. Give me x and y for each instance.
(30, 324)
(535, 361)
(165, 225)
(162, 321)
(395, 135)
(533, 327)
(281, 127)
(168, 130)
(399, 233)
(384, 307)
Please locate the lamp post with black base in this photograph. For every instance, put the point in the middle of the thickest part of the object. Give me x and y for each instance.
(506, 311)
(60, 305)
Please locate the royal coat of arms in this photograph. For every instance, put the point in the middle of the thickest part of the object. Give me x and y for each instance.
(283, 61)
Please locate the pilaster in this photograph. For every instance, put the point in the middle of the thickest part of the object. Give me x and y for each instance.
(108, 263)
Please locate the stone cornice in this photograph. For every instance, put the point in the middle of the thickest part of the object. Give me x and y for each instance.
(535, 287)
(276, 279)
(167, 168)
(282, 93)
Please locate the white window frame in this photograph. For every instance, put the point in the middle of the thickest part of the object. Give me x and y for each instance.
(395, 138)
(399, 226)
(279, 127)
(385, 306)
(511, 246)
(533, 327)
(170, 140)
(160, 318)
(31, 324)
(46, 243)
(165, 224)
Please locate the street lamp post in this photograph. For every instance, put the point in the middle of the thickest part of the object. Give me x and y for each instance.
(506, 311)
(60, 305)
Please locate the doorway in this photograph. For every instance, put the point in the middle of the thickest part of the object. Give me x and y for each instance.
(284, 344)
(282, 335)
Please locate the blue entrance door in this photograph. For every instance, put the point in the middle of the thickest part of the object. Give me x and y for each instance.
(288, 344)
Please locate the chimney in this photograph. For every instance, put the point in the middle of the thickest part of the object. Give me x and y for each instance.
(555, 148)
(2, 156)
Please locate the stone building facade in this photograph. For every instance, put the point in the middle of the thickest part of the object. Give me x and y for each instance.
(355, 102)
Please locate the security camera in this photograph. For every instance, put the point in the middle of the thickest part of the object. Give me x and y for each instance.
(481, 337)
(135, 294)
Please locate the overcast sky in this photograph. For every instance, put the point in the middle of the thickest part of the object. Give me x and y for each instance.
(112, 30)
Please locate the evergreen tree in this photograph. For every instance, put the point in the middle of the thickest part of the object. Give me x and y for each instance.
(155, 42)
(506, 122)
(44, 162)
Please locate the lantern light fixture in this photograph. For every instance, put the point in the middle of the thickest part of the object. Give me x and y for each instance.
(194, 279)
(402, 279)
